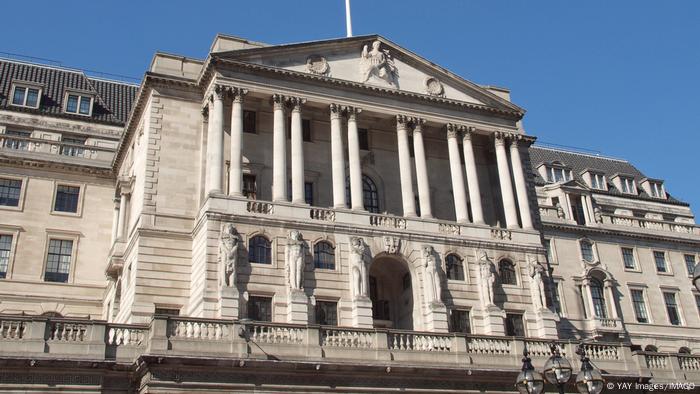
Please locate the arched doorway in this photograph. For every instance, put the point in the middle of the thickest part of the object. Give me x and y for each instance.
(392, 291)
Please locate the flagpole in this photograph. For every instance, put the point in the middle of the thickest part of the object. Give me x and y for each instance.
(348, 19)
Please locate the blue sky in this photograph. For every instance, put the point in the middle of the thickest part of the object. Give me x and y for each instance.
(618, 77)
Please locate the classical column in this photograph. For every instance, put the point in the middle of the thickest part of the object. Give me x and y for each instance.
(337, 156)
(505, 182)
(215, 142)
(611, 298)
(235, 180)
(588, 295)
(354, 160)
(297, 151)
(122, 215)
(460, 198)
(279, 149)
(421, 170)
(405, 173)
(520, 182)
(115, 219)
(472, 177)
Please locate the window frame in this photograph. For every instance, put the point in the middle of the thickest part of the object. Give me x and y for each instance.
(594, 252)
(604, 306)
(687, 267)
(269, 297)
(22, 192)
(565, 173)
(656, 190)
(551, 251)
(12, 231)
(637, 267)
(81, 96)
(522, 320)
(556, 284)
(81, 196)
(326, 301)
(600, 181)
(271, 250)
(26, 86)
(255, 121)
(333, 249)
(667, 262)
(625, 183)
(645, 302)
(246, 193)
(450, 325)
(514, 272)
(62, 236)
(679, 309)
(460, 263)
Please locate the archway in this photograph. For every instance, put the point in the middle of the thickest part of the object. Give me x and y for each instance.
(392, 291)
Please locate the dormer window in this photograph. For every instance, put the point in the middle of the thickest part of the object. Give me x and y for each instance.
(656, 190)
(627, 185)
(558, 174)
(597, 181)
(79, 104)
(26, 96)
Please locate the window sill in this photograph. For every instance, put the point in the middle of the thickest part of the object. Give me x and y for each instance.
(68, 214)
(635, 270)
(664, 273)
(11, 208)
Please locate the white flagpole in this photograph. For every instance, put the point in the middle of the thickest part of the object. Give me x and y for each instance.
(348, 19)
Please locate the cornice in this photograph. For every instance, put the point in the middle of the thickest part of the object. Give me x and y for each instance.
(617, 232)
(105, 172)
(39, 112)
(52, 123)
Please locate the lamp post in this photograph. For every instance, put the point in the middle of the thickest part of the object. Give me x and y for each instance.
(529, 381)
(696, 276)
(557, 369)
(589, 380)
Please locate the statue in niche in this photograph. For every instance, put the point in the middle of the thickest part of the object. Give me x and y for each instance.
(560, 211)
(487, 279)
(598, 215)
(433, 286)
(228, 253)
(537, 292)
(378, 63)
(295, 260)
(359, 274)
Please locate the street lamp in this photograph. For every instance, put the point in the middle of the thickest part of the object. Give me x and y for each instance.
(696, 276)
(529, 381)
(557, 369)
(589, 380)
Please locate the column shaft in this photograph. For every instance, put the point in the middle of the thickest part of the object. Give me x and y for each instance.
(279, 148)
(356, 200)
(611, 301)
(460, 198)
(297, 152)
(215, 142)
(421, 170)
(520, 184)
(405, 173)
(337, 159)
(235, 180)
(509, 208)
(121, 225)
(472, 176)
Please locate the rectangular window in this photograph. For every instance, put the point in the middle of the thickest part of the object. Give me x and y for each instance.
(514, 325)
(640, 307)
(628, 258)
(5, 248)
(58, 260)
(660, 260)
(20, 143)
(627, 185)
(674, 316)
(24, 96)
(656, 190)
(363, 136)
(586, 250)
(167, 312)
(309, 193)
(10, 192)
(260, 308)
(78, 104)
(249, 186)
(459, 321)
(326, 313)
(598, 181)
(548, 246)
(249, 122)
(66, 198)
(582, 300)
(559, 174)
(690, 263)
(556, 297)
(72, 146)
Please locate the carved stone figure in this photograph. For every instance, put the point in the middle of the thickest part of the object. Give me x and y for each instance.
(560, 211)
(598, 214)
(295, 260)
(537, 292)
(487, 279)
(359, 275)
(378, 63)
(433, 286)
(228, 253)
(392, 245)
(317, 64)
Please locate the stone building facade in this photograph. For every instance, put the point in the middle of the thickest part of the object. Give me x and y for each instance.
(338, 213)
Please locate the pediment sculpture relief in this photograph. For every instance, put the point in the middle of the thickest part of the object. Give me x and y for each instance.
(317, 64)
(378, 67)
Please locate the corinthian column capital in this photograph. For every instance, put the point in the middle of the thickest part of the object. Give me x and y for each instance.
(452, 130)
(336, 111)
(296, 102)
(217, 93)
(467, 132)
(279, 101)
(418, 124)
(352, 112)
(403, 121)
(500, 137)
(236, 93)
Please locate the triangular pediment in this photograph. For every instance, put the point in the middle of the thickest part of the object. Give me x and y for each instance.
(373, 61)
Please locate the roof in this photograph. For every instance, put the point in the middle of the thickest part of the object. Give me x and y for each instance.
(113, 98)
(582, 162)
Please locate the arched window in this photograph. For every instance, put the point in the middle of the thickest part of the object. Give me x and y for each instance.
(370, 196)
(586, 250)
(651, 348)
(506, 270)
(454, 267)
(684, 350)
(324, 255)
(259, 250)
(598, 297)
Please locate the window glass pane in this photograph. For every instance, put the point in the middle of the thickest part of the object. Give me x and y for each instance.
(459, 321)
(454, 268)
(309, 193)
(660, 260)
(598, 299)
(672, 308)
(306, 130)
(249, 121)
(363, 136)
(18, 97)
(690, 263)
(9, 192)
(72, 104)
(85, 102)
(66, 198)
(326, 313)
(260, 308)
(587, 250)
(507, 272)
(324, 256)
(640, 308)
(556, 299)
(249, 186)
(5, 248)
(514, 325)
(58, 260)
(370, 197)
(628, 258)
(32, 97)
(259, 250)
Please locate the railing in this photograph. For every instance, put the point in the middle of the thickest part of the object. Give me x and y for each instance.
(602, 351)
(327, 215)
(277, 334)
(203, 330)
(543, 348)
(387, 221)
(59, 148)
(489, 346)
(124, 335)
(651, 224)
(689, 363)
(656, 361)
(347, 338)
(260, 207)
(420, 342)
(68, 331)
(12, 329)
(608, 323)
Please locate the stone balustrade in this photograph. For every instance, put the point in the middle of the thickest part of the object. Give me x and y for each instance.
(58, 148)
(36, 337)
(651, 224)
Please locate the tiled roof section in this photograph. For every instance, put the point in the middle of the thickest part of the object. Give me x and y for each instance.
(113, 99)
(579, 162)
